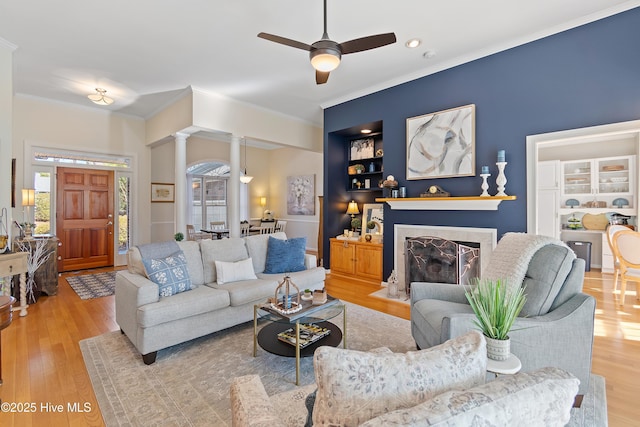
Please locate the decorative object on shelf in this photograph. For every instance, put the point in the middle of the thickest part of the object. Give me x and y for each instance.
(367, 237)
(441, 144)
(574, 223)
(301, 195)
(4, 233)
(501, 180)
(379, 152)
(620, 203)
(613, 168)
(496, 307)
(392, 285)
(162, 192)
(356, 169)
(595, 222)
(572, 203)
(362, 149)
(287, 305)
(389, 185)
(485, 185)
(435, 191)
(619, 179)
(356, 223)
(595, 204)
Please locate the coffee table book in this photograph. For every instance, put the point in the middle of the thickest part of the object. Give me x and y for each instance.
(308, 308)
(309, 334)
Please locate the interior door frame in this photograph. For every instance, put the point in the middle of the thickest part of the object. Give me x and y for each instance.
(31, 165)
(535, 142)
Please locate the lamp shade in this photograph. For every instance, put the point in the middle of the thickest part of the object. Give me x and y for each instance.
(28, 197)
(352, 209)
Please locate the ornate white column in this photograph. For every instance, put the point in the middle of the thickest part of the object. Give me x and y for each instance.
(233, 195)
(180, 204)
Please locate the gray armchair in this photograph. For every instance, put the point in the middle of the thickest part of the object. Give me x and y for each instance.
(555, 328)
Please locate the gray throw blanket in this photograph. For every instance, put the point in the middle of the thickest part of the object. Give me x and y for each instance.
(510, 259)
(158, 250)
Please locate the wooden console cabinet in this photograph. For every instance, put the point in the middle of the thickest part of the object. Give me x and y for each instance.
(356, 259)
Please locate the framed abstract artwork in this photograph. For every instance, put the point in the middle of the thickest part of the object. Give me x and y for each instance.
(373, 212)
(162, 192)
(442, 144)
(301, 195)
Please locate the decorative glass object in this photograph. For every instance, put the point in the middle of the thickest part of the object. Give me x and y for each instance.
(392, 285)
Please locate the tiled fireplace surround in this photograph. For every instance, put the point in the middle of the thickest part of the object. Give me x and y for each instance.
(486, 237)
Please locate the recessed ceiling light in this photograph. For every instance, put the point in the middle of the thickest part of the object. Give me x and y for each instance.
(411, 43)
(429, 54)
(365, 131)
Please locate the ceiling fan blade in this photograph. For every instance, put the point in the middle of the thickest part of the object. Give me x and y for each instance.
(285, 41)
(322, 77)
(366, 43)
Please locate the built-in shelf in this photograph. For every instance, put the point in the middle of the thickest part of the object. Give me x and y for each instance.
(596, 211)
(470, 203)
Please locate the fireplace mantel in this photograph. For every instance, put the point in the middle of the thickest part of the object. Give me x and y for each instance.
(467, 203)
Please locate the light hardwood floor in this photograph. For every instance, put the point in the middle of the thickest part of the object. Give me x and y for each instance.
(42, 362)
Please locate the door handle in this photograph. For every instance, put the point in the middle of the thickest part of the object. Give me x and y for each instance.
(110, 223)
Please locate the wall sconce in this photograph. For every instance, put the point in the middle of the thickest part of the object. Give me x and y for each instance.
(263, 201)
(352, 209)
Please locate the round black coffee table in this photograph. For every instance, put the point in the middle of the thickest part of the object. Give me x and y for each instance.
(268, 339)
(319, 315)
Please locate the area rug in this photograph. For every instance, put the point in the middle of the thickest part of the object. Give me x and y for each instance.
(188, 385)
(95, 285)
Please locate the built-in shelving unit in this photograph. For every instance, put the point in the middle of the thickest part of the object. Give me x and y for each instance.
(364, 168)
(468, 203)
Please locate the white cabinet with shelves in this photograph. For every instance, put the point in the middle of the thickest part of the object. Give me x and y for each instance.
(599, 185)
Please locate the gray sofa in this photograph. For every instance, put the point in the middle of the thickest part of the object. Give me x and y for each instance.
(153, 322)
(555, 328)
(441, 386)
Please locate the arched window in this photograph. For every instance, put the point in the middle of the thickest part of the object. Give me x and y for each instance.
(208, 187)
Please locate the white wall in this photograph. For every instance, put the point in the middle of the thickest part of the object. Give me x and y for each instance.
(286, 162)
(55, 125)
(6, 113)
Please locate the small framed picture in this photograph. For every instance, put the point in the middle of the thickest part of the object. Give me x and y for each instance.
(162, 193)
(362, 149)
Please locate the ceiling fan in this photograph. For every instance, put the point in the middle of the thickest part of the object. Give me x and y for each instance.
(325, 54)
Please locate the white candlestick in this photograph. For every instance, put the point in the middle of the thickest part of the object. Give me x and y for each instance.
(501, 180)
(485, 185)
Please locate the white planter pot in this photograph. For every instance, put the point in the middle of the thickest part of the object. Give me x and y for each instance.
(498, 349)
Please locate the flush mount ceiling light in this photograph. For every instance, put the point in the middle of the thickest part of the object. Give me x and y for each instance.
(411, 43)
(245, 179)
(100, 97)
(365, 131)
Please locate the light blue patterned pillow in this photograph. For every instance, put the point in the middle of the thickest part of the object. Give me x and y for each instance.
(169, 273)
(285, 256)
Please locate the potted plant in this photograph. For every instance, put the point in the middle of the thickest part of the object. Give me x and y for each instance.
(179, 237)
(356, 223)
(496, 307)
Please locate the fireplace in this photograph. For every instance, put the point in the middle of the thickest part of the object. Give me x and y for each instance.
(458, 252)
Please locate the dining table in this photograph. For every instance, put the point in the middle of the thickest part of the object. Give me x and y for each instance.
(219, 232)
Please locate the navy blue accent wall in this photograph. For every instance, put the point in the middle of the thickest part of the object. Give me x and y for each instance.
(582, 77)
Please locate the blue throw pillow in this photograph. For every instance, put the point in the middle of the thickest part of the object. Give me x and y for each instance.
(169, 273)
(285, 256)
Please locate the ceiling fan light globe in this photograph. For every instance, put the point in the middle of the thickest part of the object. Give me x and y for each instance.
(325, 60)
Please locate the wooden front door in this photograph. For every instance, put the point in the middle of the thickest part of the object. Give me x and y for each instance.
(84, 218)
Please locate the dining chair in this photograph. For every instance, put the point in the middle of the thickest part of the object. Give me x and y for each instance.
(244, 229)
(611, 230)
(281, 226)
(218, 225)
(267, 228)
(192, 234)
(626, 246)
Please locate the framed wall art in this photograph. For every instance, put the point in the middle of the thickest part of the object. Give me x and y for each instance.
(301, 195)
(373, 212)
(361, 149)
(442, 144)
(163, 193)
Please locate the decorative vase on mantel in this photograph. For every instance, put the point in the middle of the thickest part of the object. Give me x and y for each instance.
(498, 349)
